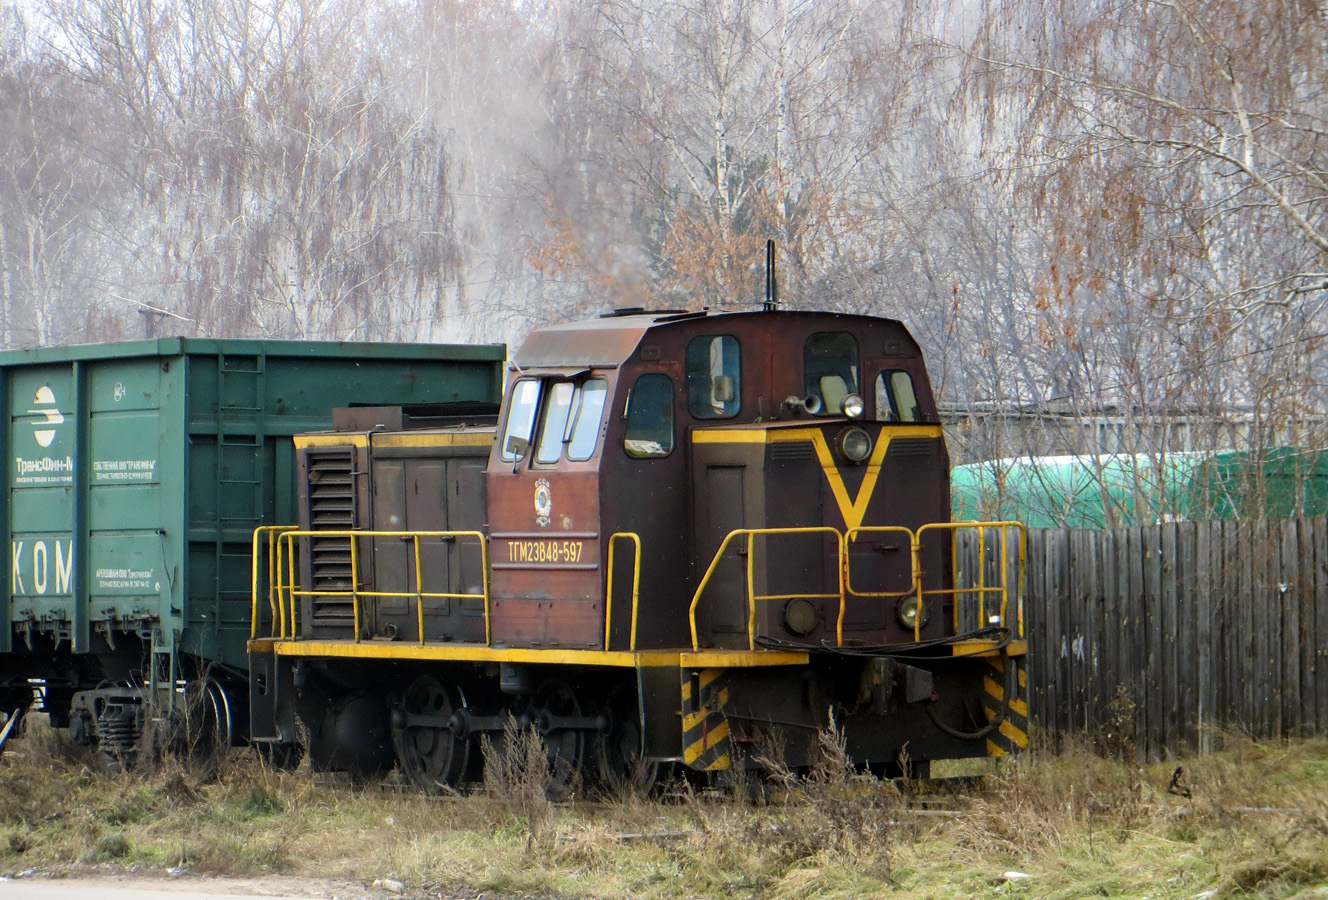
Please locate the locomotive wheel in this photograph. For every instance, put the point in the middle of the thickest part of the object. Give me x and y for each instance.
(354, 736)
(565, 747)
(619, 758)
(430, 755)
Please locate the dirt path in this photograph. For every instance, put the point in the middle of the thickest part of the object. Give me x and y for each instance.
(137, 887)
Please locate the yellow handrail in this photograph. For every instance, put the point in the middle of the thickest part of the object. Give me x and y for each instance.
(271, 532)
(915, 576)
(283, 588)
(636, 588)
(752, 597)
(287, 590)
(982, 590)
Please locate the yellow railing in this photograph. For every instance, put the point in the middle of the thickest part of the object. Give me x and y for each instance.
(285, 590)
(282, 589)
(265, 539)
(917, 574)
(636, 587)
(982, 589)
(752, 597)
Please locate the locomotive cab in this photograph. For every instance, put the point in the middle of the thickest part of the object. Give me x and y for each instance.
(647, 440)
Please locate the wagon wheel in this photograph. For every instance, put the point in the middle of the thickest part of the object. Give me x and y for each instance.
(427, 751)
(619, 749)
(203, 733)
(565, 747)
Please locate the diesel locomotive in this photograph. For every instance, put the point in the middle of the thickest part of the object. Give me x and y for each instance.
(683, 540)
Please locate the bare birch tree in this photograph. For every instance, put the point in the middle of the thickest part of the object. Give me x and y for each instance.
(1167, 152)
(52, 263)
(283, 190)
(712, 125)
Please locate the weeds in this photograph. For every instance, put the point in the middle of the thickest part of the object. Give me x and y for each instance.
(517, 781)
(1254, 824)
(1118, 738)
(808, 829)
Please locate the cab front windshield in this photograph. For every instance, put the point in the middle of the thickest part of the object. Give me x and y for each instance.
(567, 414)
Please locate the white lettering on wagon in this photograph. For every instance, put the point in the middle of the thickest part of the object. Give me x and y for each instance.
(46, 470)
(46, 428)
(137, 579)
(48, 564)
(124, 470)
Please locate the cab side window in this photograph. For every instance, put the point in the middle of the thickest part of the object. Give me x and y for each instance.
(830, 369)
(520, 419)
(650, 417)
(896, 401)
(714, 376)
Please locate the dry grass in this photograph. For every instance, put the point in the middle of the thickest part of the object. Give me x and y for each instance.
(1251, 821)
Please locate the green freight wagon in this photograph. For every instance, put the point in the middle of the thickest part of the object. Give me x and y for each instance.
(136, 474)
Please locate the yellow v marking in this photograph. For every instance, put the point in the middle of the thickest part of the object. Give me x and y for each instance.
(853, 510)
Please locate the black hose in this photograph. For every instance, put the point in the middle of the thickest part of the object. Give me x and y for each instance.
(1011, 685)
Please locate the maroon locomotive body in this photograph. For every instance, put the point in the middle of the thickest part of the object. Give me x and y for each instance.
(684, 535)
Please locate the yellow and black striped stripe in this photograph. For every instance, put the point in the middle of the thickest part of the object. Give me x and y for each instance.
(1012, 735)
(705, 728)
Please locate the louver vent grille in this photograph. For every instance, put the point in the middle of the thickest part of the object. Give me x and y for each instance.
(331, 490)
(912, 447)
(798, 450)
(331, 508)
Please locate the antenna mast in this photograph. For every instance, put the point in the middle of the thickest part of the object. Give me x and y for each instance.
(771, 287)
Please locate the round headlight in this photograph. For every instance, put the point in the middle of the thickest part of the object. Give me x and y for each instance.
(800, 616)
(852, 406)
(910, 610)
(855, 445)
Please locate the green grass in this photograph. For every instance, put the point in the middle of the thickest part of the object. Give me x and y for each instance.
(1255, 825)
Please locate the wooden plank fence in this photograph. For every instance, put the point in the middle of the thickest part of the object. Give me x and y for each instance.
(1159, 638)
